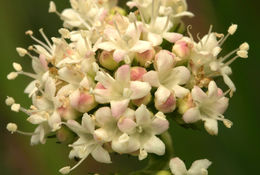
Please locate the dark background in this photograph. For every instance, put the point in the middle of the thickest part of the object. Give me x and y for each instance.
(233, 152)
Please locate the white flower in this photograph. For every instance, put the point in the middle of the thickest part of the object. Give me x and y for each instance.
(142, 130)
(198, 167)
(89, 141)
(205, 55)
(124, 40)
(166, 78)
(179, 8)
(209, 108)
(119, 91)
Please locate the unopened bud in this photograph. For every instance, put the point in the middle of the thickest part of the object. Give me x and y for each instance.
(145, 100)
(107, 61)
(145, 58)
(137, 73)
(166, 107)
(182, 48)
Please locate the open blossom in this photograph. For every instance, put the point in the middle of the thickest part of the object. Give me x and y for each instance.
(198, 167)
(119, 91)
(124, 39)
(167, 79)
(209, 108)
(142, 131)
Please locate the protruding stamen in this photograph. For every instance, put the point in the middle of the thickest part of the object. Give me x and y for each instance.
(12, 75)
(17, 67)
(9, 101)
(232, 29)
(45, 38)
(21, 51)
(12, 127)
(244, 46)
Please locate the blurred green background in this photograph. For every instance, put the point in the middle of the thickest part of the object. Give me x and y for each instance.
(233, 152)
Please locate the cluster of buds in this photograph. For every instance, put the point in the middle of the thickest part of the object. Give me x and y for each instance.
(109, 80)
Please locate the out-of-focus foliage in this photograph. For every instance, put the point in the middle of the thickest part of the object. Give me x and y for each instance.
(234, 151)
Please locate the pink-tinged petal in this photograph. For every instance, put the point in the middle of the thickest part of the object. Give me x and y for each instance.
(119, 107)
(198, 94)
(161, 95)
(172, 37)
(192, 115)
(152, 78)
(160, 125)
(221, 105)
(139, 89)
(168, 106)
(164, 62)
(129, 113)
(88, 123)
(199, 165)
(182, 48)
(102, 95)
(119, 55)
(76, 127)
(141, 46)
(126, 125)
(155, 39)
(180, 91)
(82, 101)
(212, 89)
(177, 166)
(137, 73)
(145, 58)
(107, 46)
(123, 74)
(101, 155)
(181, 75)
(143, 116)
(155, 145)
(211, 126)
(103, 116)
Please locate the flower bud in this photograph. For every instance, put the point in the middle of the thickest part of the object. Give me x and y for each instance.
(145, 100)
(185, 103)
(167, 106)
(64, 135)
(137, 73)
(68, 113)
(145, 58)
(82, 101)
(182, 48)
(106, 59)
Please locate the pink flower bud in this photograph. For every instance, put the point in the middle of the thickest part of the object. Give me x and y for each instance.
(137, 73)
(182, 48)
(185, 103)
(82, 101)
(67, 112)
(168, 106)
(145, 58)
(107, 61)
(145, 100)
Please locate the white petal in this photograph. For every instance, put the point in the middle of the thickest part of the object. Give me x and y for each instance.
(172, 37)
(221, 105)
(103, 116)
(123, 74)
(155, 145)
(198, 166)
(55, 121)
(162, 94)
(198, 94)
(211, 126)
(119, 55)
(30, 87)
(36, 119)
(143, 115)
(155, 39)
(119, 107)
(50, 87)
(139, 89)
(105, 79)
(164, 62)
(192, 115)
(212, 89)
(181, 74)
(128, 146)
(126, 125)
(180, 92)
(178, 167)
(141, 46)
(229, 82)
(88, 123)
(152, 78)
(101, 155)
(160, 125)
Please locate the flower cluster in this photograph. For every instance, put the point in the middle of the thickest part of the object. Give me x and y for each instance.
(110, 80)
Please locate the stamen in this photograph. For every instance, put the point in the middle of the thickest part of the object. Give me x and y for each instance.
(12, 127)
(210, 30)
(45, 38)
(189, 27)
